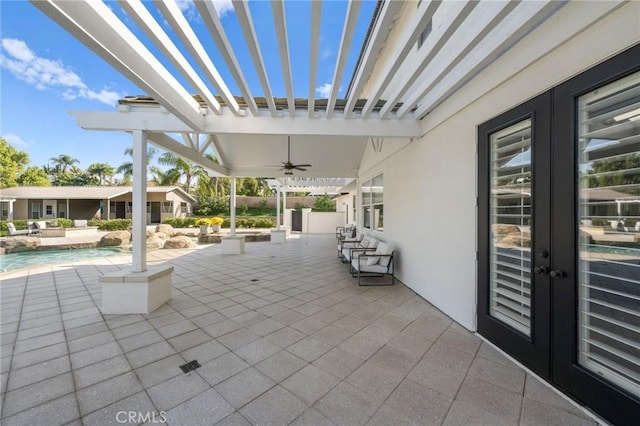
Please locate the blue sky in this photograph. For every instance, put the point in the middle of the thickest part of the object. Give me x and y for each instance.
(46, 72)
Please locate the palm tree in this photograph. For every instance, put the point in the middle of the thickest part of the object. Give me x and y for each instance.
(64, 161)
(102, 170)
(126, 168)
(162, 178)
(182, 167)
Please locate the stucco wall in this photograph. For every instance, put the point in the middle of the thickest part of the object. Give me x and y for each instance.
(430, 184)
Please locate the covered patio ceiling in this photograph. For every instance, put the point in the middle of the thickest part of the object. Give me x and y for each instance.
(189, 109)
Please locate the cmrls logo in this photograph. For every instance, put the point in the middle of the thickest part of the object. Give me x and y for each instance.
(138, 417)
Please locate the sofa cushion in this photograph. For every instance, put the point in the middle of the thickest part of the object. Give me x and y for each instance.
(384, 248)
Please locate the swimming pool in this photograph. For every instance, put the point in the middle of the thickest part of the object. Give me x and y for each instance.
(10, 262)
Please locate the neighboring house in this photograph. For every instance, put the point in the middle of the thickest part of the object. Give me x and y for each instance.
(91, 202)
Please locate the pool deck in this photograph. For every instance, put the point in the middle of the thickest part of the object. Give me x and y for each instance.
(283, 335)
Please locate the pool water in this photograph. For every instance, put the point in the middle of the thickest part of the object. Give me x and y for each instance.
(12, 261)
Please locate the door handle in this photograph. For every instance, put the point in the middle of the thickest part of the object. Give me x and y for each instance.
(540, 269)
(557, 274)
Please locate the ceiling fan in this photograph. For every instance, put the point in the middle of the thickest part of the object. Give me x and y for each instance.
(288, 166)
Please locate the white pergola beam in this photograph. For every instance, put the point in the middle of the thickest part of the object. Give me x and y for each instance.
(456, 15)
(169, 144)
(523, 19)
(316, 16)
(207, 144)
(383, 26)
(222, 158)
(212, 21)
(311, 173)
(408, 41)
(246, 24)
(181, 26)
(280, 22)
(147, 22)
(482, 21)
(97, 27)
(229, 124)
(351, 19)
(188, 140)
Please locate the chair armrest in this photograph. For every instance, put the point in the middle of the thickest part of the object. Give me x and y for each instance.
(344, 242)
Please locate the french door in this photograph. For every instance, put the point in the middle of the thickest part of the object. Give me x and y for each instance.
(559, 236)
(515, 241)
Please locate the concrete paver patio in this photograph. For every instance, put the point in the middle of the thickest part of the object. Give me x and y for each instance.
(284, 336)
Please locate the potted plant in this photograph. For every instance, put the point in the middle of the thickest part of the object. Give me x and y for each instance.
(216, 222)
(205, 225)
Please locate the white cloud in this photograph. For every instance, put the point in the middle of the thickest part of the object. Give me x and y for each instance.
(16, 141)
(223, 7)
(45, 74)
(189, 9)
(324, 91)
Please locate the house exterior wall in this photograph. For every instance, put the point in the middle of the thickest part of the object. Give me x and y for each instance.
(434, 229)
(84, 209)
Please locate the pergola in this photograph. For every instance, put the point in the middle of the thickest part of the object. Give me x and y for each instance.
(388, 95)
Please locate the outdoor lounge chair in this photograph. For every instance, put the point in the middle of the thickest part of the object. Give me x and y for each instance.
(351, 249)
(374, 264)
(13, 231)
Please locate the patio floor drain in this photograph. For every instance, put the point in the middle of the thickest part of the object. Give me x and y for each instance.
(190, 366)
(254, 280)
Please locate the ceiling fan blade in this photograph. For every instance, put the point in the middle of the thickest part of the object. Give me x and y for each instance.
(300, 168)
(302, 165)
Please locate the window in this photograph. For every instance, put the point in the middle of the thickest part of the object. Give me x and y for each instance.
(148, 207)
(35, 210)
(373, 203)
(49, 210)
(184, 208)
(166, 207)
(130, 207)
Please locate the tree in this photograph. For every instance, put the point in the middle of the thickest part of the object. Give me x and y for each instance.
(621, 172)
(102, 171)
(12, 162)
(34, 176)
(164, 178)
(126, 168)
(180, 166)
(64, 161)
(324, 204)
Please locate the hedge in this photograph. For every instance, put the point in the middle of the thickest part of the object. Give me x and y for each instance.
(111, 225)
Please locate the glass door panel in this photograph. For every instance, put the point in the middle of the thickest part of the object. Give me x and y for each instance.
(510, 221)
(609, 237)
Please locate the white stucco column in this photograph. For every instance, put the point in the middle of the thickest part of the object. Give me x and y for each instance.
(10, 212)
(232, 205)
(139, 199)
(278, 206)
(284, 203)
(68, 212)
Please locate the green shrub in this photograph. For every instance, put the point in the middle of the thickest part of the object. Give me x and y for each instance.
(599, 222)
(64, 223)
(112, 224)
(324, 204)
(178, 222)
(18, 223)
(250, 222)
(300, 206)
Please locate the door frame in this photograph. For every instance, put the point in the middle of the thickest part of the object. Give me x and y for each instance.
(618, 405)
(532, 351)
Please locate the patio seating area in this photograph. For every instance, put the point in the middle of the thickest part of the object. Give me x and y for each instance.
(283, 334)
